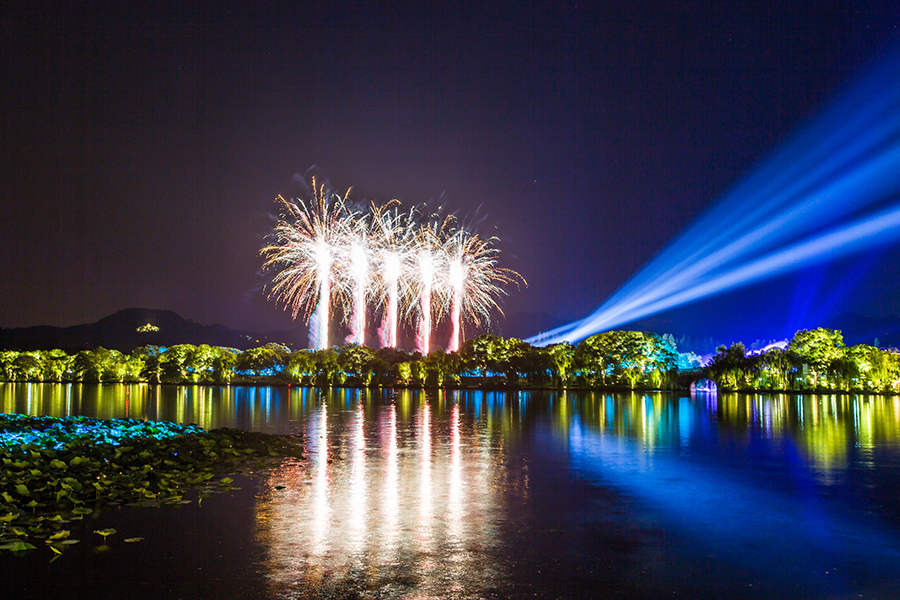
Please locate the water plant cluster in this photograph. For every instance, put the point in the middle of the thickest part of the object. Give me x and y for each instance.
(58, 470)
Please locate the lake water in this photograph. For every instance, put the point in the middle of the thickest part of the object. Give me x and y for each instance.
(469, 494)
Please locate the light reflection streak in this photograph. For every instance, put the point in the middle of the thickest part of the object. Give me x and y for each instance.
(390, 531)
(411, 498)
(726, 515)
(454, 493)
(357, 509)
(425, 527)
(321, 513)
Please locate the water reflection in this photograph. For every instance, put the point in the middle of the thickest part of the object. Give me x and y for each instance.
(829, 431)
(410, 493)
(391, 504)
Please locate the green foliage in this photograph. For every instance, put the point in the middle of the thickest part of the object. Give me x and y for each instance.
(562, 359)
(174, 363)
(224, 365)
(482, 353)
(99, 366)
(326, 365)
(57, 470)
(819, 349)
(55, 365)
(7, 360)
(28, 367)
(403, 372)
(730, 366)
(358, 362)
(776, 369)
(627, 358)
(258, 361)
(814, 360)
(439, 365)
(301, 368)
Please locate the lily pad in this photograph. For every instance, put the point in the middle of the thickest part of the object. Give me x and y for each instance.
(18, 547)
(65, 468)
(105, 532)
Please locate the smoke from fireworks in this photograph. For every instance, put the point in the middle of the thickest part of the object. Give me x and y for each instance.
(410, 266)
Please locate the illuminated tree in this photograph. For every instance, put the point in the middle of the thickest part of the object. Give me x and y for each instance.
(224, 365)
(776, 369)
(440, 365)
(174, 363)
(358, 361)
(562, 359)
(483, 353)
(55, 365)
(27, 367)
(326, 366)
(259, 362)
(729, 367)
(403, 372)
(132, 369)
(100, 365)
(818, 349)
(628, 358)
(301, 367)
(7, 360)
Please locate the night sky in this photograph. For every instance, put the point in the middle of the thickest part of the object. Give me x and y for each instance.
(143, 143)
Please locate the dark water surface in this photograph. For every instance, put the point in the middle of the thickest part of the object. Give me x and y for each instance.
(407, 494)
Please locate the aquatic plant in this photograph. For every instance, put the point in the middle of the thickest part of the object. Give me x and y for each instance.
(56, 470)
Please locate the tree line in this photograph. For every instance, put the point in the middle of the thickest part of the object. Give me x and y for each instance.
(614, 359)
(813, 360)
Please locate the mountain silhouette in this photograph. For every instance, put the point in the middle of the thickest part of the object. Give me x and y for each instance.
(119, 331)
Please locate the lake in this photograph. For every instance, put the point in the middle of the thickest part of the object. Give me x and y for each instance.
(471, 494)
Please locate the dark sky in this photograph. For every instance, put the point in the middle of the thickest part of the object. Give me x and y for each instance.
(143, 143)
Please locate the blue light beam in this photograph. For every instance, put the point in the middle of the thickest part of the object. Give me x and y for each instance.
(831, 191)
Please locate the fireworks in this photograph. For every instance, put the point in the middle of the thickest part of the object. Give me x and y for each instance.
(408, 265)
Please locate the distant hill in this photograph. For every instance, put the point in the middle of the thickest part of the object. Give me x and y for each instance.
(120, 332)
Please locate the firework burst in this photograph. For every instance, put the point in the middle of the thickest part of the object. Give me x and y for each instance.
(395, 232)
(410, 265)
(306, 240)
(473, 280)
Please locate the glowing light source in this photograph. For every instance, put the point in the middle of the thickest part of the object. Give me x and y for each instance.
(425, 263)
(791, 213)
(359, 265)
(413, 264)
(457, 279)
(302, 253)
(322, 254)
